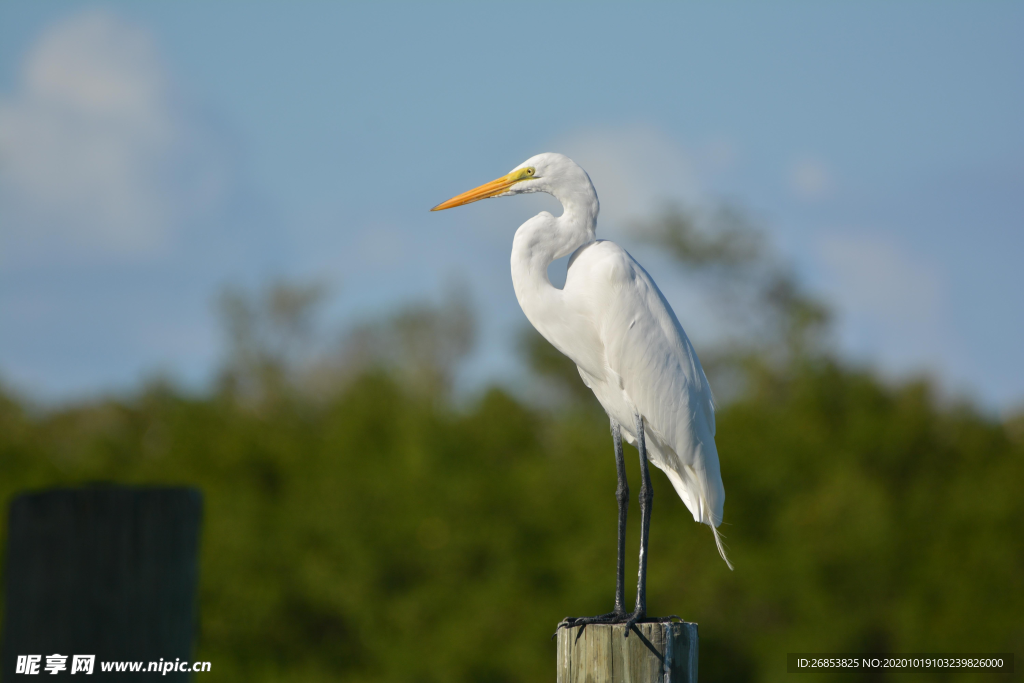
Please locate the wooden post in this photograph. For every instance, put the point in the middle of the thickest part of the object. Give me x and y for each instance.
(660, 653)
(109, 571)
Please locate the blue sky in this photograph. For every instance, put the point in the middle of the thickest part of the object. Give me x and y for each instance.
(151, 153)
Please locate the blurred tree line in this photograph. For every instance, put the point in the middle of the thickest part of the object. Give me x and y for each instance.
(361, 525)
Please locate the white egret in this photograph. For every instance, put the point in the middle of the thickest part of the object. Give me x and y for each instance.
(615, 324)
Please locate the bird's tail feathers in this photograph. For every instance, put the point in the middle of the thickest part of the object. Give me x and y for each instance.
(721, 548)
(692, 486)
(711, 521)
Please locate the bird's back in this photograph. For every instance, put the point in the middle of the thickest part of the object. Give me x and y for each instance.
(639, 360)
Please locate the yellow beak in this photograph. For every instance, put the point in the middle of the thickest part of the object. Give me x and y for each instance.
(491, 189)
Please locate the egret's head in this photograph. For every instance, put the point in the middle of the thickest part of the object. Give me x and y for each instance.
(553, 173)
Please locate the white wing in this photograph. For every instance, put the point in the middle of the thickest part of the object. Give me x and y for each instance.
(648, 367)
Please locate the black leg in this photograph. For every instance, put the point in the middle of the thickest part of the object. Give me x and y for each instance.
(622, 496)
(619, 614)
(646, 503)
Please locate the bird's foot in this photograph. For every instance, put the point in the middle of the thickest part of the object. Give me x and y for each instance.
(583, 622)
(633, 619)
(630, 620)
(610, 618)
(639, 617)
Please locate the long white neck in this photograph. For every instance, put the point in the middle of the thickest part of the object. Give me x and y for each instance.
(542, 240)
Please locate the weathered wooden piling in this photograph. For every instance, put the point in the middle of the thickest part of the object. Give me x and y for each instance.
(662, 653)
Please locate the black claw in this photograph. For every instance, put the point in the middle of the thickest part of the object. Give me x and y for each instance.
(629, 620)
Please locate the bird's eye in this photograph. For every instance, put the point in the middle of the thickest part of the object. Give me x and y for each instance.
(529, 171)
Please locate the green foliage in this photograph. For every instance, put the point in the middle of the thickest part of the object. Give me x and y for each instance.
(269, 336)
(382, 536)
(275, 347)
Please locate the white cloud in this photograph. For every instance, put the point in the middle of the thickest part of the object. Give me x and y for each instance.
(810, 179)
(636, 170)
(892, 303)
(98, 156)
(719, 154)
(874, 276)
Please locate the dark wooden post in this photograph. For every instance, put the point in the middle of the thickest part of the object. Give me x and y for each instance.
(108, 571)
(659, 653)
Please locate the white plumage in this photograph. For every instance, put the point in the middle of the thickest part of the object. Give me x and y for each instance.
(615, 324)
